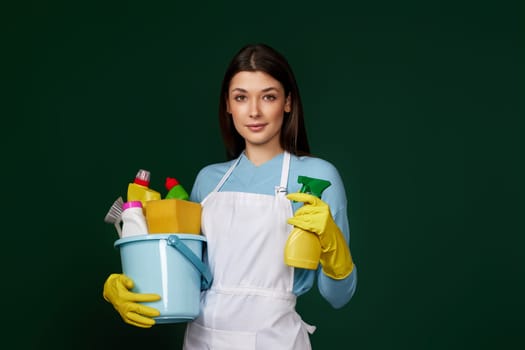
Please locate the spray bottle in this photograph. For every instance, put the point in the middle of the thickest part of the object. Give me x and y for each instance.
(175, 190)
(303, 248)
(139, 189)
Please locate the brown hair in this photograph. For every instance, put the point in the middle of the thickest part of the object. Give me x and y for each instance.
(261, 57)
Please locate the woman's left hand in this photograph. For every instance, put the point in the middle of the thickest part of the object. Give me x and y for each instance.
(315, 216)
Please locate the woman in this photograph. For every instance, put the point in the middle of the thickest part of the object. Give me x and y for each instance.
(248, 213)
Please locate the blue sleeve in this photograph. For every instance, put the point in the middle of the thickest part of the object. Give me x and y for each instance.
(345, 287)
(197, 191)
(336, 292)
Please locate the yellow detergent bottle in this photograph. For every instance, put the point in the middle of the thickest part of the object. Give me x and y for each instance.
(139, 189)
(303, 248)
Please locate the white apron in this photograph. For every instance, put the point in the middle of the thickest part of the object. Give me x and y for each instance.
(250, 304)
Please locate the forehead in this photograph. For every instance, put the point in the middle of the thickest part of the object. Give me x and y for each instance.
(254, 81)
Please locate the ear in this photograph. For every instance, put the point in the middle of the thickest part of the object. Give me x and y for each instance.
(288, 104)
(228, 110)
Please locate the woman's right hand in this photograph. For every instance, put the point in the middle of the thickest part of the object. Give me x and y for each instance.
(116, 291)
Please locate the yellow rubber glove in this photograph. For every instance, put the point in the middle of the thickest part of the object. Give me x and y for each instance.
(116, 291)
(315, 216)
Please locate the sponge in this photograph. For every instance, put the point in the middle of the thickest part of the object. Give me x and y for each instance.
(173, 216)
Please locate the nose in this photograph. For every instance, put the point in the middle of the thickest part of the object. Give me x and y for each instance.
(254, 109)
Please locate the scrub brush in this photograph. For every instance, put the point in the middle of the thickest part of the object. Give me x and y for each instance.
(114, 215)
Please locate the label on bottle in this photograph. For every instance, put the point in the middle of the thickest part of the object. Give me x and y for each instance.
(133, 222)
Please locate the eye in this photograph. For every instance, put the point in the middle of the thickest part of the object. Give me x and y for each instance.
(269, 97)
(239, 98)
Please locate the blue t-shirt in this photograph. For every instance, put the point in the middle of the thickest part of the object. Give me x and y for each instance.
(262, 179)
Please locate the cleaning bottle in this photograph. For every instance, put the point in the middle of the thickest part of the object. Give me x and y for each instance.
(133, 219)
(175, 189)
(139, 189)
(303, 248)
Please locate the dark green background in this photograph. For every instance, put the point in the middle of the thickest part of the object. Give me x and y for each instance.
(418, 104)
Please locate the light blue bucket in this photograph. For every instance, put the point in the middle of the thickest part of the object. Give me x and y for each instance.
(169, 265)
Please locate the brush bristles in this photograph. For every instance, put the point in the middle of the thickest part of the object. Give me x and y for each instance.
(115, 212)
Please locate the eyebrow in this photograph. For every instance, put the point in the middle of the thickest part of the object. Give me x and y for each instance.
(263, 90)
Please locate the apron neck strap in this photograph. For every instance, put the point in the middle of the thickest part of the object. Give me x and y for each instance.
(284, 174)
(227, 174)
(282, 188)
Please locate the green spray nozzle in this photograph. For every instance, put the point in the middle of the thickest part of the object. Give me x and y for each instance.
(312, 185)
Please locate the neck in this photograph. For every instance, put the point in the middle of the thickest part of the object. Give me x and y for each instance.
(260, 155)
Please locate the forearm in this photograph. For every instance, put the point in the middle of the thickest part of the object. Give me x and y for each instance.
(337, 292)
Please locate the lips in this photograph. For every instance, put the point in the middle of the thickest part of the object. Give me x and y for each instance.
(256, 127)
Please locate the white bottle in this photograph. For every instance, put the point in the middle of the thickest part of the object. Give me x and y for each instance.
(133, 219)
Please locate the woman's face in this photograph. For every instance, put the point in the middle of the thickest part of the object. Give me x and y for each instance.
(257, 103)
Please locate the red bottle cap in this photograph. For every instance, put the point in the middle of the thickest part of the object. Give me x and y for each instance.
(142, 177)
(170, 183)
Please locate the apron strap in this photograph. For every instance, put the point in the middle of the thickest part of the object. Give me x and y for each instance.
(227, 175)
(282, 188)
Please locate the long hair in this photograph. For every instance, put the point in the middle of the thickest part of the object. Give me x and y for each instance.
(263, 58)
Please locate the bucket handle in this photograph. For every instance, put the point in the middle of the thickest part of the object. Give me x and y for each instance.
(177, 243)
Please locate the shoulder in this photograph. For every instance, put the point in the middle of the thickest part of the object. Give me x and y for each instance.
(213, 170)
(314, 167)
(207, 178)
(315, 162)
